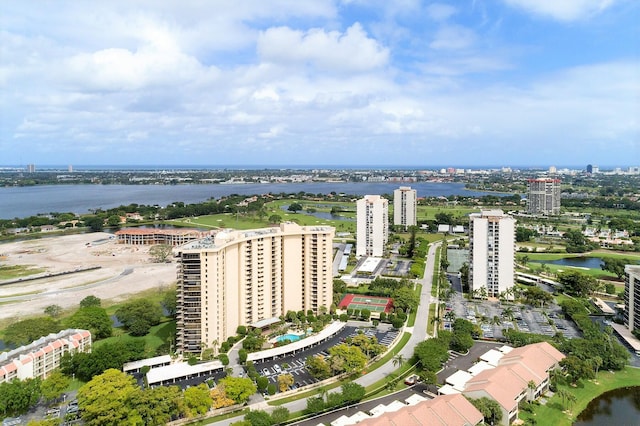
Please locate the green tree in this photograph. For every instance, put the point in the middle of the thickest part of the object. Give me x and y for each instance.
(238, 388)
(398, 360)
(347, 358)
(95, 223)
(258, 418)
(489, 408)
(279, 415)
(160, 253)
(26, 331)
(352, 392)
(54, 385)
(53, 311)
(17, 396)
(404, 298)
(170, 302)
(139, 315)
(107, 399)
(90, 301)
(318, 367)
(197, 400)
(577, 284)
(157, 406)
(576, 242)
(315, 405)
(262, 383)
(274, 218)
(524, 234)
(615, 265)
(295, 207)
(92, 318)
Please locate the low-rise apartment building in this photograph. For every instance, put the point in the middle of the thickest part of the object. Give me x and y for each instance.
(39, 358)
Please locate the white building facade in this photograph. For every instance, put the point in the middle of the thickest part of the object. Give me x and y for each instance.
(39, 358)
(544, 196)
(405, 206)
(242, 277)
(372, 226)
(632, 297)
(491, 252)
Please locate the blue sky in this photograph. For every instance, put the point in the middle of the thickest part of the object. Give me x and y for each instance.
(351, 82)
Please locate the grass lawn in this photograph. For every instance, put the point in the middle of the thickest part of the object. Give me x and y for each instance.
(598, 253)
(16, 271)
(157, 336)
(553, 413)
(412, 316)
(597, 273)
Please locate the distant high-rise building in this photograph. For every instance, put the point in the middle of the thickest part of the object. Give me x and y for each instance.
(404, 206)
(553, 170)
(491, 252)
(245, 277)
(372, 224)
(31, 168)
(544, 196)
(589, 168)
(70, 168)
(632, 297)
(595, 169)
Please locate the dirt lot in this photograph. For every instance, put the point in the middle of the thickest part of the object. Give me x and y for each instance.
(123, 270)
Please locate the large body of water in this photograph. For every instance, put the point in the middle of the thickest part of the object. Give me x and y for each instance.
(80, 199)
(616, 407)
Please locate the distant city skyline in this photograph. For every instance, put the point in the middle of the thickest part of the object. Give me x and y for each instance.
(515, 83)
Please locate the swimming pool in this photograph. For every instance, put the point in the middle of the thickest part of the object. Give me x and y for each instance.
(289, 337)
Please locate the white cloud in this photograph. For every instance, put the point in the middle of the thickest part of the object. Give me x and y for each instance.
(453, 37)
(440, 11)
(351, 51)
(563, 10)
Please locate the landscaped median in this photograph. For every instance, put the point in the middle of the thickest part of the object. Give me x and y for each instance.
(559, 413)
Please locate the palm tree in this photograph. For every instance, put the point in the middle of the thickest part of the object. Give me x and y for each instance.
(450, 316)
(398, 360)
(508, 313)
(563, 394)
(496, 320)
(532, 387)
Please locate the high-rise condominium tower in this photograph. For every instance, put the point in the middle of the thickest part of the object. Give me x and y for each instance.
(544, 196)
(242, 277)
(404, 206)
(632, 297)
(492, 251)
(372, 216)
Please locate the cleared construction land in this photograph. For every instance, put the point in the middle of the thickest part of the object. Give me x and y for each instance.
(69, 268)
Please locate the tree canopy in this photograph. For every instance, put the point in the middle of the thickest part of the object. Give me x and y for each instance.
(107, 399)
(26, 331)
(92, 318)
(238, 389)
(576, 283)
(139, 315)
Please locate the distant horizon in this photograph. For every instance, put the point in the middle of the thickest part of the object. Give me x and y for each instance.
(92, 167)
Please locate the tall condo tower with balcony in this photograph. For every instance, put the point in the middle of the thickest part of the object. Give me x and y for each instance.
(372, 225)
(544, 196)
(242, 277)
(492, 252)
(404, 206)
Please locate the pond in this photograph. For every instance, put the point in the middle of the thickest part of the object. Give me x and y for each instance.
(576, 262)
(619, 406)
(321, 215)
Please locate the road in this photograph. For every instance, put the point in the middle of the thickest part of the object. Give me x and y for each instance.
(418, 334)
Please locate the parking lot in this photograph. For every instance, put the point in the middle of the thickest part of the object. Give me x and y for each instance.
(493, 317)
(295, 364)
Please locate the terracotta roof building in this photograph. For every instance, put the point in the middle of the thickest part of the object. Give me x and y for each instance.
(41, 357)
(149, 236)
(450, 410)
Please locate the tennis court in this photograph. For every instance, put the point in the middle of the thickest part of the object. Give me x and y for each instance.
(372, 303)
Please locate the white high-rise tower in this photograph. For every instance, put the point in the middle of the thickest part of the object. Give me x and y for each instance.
(372, 225)
(492, 252)
(404, 206)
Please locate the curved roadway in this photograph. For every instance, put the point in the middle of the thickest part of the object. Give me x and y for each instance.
(418, 334)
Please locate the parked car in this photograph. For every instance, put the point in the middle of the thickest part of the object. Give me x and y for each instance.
(411, 380)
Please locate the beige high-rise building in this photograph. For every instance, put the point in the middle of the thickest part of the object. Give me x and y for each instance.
(242, 277)
(491, 252)
(405, 206)
(372, 225)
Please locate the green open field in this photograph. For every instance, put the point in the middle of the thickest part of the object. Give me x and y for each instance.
(553, 412)
(17, 271)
